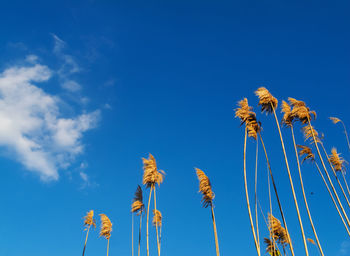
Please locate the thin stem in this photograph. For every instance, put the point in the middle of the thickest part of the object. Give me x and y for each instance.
(138, 252)
(132, 234)
(303, 190)
(291, 184)
(335, 174)
(256, 194)
(276, 193)
(346, 184)
(155, 208)
(149, 202)
(330, 193)
(325, 170)
(87, 234)
(215, 232)
(107, 246)
(246, 193)
(346, 134)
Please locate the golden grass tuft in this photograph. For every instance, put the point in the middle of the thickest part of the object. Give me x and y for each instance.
(287, 118)
(300, 111)
(205, 188)
(137, 205)
(248, 117)
(151, 174)
(306, 152)
(106, 226)
(336, 160)
(89, 219)
(335, 120)
(157, 218)
(278, 232)
(267, 102)
(307, 131)
(271, 248)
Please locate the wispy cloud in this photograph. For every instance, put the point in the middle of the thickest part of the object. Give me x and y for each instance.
(344, 248)
(69, 66)
(33, 127)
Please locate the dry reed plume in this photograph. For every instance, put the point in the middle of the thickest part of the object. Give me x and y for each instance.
(88, 222)
(336, 120)
(207, 200)
(151, 177)
(271, 248)
(137, 207)
(252, 128)
(287, 120)
(269, 104)
(106, 229)
(336, 160)
(307, 155)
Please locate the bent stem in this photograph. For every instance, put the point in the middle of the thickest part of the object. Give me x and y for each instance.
(303, 190)
(330, 193)
(291, 183)
(246, 194)
(327, 174)
(276, 193)
(335, 174)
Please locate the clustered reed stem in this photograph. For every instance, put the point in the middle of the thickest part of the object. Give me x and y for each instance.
(291, 183)
(304, 196)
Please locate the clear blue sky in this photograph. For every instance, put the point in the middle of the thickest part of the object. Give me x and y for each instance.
(88, 88)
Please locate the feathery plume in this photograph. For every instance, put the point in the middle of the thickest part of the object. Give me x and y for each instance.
(137, 205)
(306, 152)
(307, 131)
(106, 226)
(335, 120)
(157, 218)
(89, 219)
(288, 118)
(271, 248)
(300, 111)
(311, 241)
(205, 188)
(336, 160)
(151, 174)
(279, 233)
(248, 117)
(267, 102)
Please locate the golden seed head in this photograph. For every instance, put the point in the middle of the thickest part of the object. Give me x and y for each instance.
(106, 226)
(248, 117)
(151, 174)
(267, 102)
(300, 111)
(335, 120)
(288, 118)
(157, 218)
(336, 160)
(89, 219)
(205, 188)
(306, 152)
(137, 205)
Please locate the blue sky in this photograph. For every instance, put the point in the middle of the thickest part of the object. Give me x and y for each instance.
(88, 88)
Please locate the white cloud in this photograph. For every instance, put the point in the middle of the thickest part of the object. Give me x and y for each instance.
(32, 126)
(71, 85)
